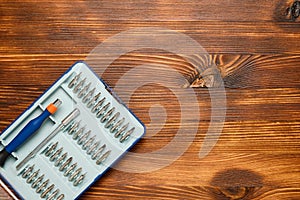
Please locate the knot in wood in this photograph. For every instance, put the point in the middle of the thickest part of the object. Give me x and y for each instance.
(294, 10)
(236, 184)
(235, 193)
(210, 77)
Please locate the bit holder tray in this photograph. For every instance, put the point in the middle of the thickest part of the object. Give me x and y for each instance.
(83, 150)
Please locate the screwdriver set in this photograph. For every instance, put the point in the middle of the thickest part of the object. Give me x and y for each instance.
(68, 138)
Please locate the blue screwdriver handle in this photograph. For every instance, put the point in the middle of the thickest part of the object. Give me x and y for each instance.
(28, 131)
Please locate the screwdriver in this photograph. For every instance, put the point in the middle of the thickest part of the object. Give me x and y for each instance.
(28, 131)
(65, 122)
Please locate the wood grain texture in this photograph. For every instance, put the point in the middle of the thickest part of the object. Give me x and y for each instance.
(254, 45)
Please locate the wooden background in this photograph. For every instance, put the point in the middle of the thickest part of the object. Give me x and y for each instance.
(255, 45)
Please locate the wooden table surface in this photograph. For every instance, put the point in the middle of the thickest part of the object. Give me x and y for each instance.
(255, 46)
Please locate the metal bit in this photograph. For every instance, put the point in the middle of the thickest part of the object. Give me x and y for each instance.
(42, 186)
(103, 157)
(56, 154)
(27, 171)
(74, 127)
(66, 129)
(78, 133)
(121, 130)
(70, 169)
(47, 148)
(61, 159)
(37, 181)
(107, 115)
(98, 105)
(98, 152)
(88, 143)
(83, 138)
(84, 90)
(102, 110)
(117, 125)
(93, 100)
(60, 197)
(79, 85)
(23, 170)
(75, 174)
(74, 80)
(79, 180)
(93, 148)
(53, 195)
(48, 190)
(65, 164)
(127, 135)
(88, 95)
(112, 120)
(33, 176)
(51, 149)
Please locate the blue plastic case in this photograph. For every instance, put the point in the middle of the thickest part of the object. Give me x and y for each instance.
(81, 153)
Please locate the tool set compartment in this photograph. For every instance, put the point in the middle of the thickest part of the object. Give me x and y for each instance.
(75, 145)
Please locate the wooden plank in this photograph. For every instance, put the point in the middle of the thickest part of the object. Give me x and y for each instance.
(167, 10)
(58, 27)
(191, 192)
(238, 71)
(76, 37)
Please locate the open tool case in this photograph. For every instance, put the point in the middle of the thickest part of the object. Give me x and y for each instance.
(83, 150)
